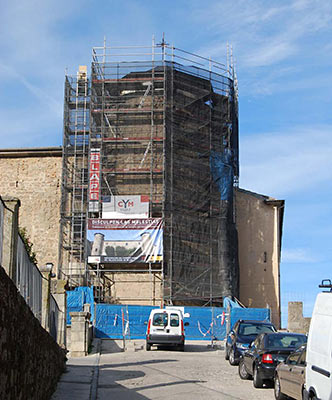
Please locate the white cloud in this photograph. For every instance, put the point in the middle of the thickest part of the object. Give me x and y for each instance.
(269, 53)
(280, 163)
(291, 256)
(263, 35)
(267, 37)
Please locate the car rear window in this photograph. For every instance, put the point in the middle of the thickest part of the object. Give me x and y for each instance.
(160, 319)
(252, 329)
(283, 341)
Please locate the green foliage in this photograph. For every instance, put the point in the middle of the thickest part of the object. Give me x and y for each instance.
(28, 245)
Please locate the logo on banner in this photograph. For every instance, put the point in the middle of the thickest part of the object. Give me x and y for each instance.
(122, 206)
(126, 204)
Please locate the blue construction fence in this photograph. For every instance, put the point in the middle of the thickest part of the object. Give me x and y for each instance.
(77, 298)
(116, 320)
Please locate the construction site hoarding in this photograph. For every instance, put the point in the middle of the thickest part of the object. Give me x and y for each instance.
(125, 240)
(125, 207)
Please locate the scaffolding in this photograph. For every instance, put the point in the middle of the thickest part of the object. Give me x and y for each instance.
(165, 123)
(73, 211)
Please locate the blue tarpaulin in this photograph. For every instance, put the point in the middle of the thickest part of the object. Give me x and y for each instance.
(222, 172)
(112, 320)
(77, 298)
(231, 303)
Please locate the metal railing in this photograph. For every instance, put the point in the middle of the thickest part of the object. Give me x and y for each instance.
(54, 317)
(29, 280)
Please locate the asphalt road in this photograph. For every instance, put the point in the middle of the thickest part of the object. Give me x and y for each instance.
(198, 373)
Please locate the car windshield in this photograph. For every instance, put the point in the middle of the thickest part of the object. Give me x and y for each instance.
(285, 340)
(254, 329)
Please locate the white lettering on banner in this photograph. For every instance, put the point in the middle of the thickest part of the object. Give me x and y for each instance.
(94, 174)
(148, 223)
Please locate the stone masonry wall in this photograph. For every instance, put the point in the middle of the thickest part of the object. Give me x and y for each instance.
(31, 362)
(296, 322)
(35, 178)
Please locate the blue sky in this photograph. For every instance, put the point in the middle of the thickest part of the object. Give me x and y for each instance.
(283, 53)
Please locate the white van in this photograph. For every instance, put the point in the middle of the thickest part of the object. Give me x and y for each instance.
(318, 383)
(166, 326)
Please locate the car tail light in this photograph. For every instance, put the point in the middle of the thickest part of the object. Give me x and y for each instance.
(267, 359)
(182, 327)
(149, 325)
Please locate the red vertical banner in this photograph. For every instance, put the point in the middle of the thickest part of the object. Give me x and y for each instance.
(94, 179)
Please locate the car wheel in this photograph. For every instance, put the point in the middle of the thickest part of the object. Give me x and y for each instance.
(277, 390)
(148, 347)
(258, 381)
(242, 371)
(232, 357)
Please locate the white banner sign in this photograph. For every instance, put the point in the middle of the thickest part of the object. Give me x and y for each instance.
(126, 207)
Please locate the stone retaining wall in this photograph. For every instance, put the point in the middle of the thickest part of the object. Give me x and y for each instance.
(31, 362)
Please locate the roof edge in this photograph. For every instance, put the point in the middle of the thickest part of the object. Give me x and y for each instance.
(31, 152)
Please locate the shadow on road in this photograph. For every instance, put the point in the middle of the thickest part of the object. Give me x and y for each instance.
(113, 389)
(189, 348)
(111, 346)
(131, 364)
(116, 346)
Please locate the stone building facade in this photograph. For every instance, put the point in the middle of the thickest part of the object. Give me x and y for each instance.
(34, 177)
(259, 221)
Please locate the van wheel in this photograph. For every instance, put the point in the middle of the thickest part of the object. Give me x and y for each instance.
(312, 396)
(148, 347)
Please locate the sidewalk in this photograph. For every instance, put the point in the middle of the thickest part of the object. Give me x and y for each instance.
(83, 374)
(79, 381)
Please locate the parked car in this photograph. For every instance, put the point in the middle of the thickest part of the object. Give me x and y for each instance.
(166, 326)
(264, 354)
(318, 383)
(289, 377)
(243, 333)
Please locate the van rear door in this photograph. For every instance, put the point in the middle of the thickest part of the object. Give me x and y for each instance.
(159, 323)
(319, 347)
